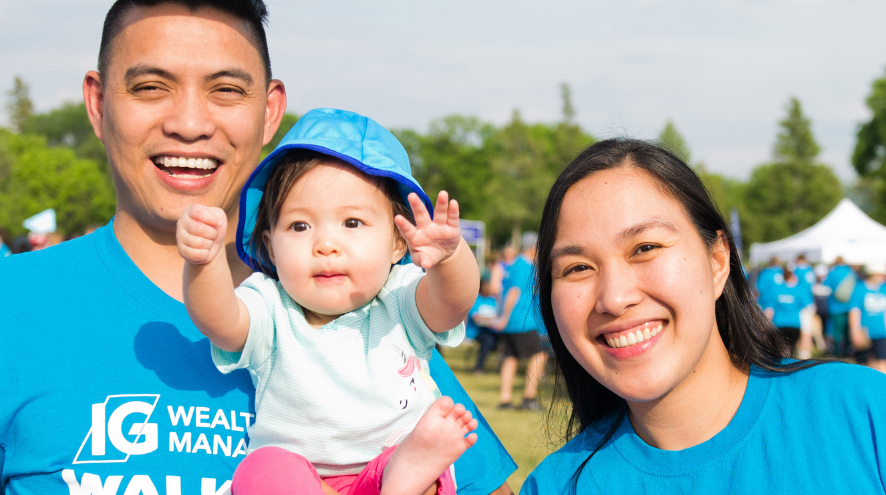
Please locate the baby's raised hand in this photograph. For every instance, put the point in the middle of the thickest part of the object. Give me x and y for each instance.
(200, 233)
(431, 241)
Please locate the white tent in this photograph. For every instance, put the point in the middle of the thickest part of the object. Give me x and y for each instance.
(846, 231)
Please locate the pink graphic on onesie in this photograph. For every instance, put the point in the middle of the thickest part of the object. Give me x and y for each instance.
(411, 372)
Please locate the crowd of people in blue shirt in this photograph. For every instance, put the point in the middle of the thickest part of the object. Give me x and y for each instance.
(837, 310)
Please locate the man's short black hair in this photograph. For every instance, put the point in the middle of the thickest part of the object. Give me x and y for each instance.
(253, 12)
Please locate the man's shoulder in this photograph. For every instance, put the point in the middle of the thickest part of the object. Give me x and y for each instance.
(74, 256)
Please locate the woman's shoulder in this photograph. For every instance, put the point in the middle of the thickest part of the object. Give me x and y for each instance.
(831, 381)
(556, 471)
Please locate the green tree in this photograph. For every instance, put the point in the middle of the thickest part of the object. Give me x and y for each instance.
(34, 177)
(69, 126)
(793, 192)
(286, 123)
(670, 138)
(19, 106)
(869, 155)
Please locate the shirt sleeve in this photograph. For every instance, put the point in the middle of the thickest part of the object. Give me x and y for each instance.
(259, 294)
(404, 281)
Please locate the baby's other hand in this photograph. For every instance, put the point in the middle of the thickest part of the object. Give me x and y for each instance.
(431, 241)
(200, 233)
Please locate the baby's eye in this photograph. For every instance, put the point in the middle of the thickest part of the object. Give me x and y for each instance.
(299, 226)
(352, 223)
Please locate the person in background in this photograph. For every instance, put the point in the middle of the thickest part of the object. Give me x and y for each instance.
(482, 315)
(5, 243)
(768, 276)
(785, 304)
(841, 281)
(867, 317)
(804, 271)
(519, 326)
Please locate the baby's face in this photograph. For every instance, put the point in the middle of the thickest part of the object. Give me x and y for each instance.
(334, 241)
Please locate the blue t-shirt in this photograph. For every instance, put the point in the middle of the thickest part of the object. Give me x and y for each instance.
(107, 385)
(839, 279)
(786, 302)
(769, 276)
(4, 250)
(519, 275)
(819, 430)
(870, 300)
(805, 274)
(485, 306)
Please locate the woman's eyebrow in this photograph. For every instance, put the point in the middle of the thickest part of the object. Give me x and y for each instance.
(635, 230)
(567, 251)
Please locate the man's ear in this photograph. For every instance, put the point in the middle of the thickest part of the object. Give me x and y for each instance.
(266, 239)
(93, 98)
(720, 262)
(274, 110)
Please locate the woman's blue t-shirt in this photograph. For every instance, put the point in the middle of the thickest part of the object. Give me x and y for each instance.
(818, 430)
(486, 306)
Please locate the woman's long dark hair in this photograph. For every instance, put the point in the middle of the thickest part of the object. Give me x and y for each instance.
(748, 334)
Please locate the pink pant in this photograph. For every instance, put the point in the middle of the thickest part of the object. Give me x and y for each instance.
(276, 471)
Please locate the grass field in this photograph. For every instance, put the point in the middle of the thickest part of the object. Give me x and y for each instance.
(523, 433)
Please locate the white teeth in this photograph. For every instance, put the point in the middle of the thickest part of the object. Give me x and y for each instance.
(182, 162)
(633, 338)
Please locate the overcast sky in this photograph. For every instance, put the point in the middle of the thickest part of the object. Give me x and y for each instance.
(721, 70)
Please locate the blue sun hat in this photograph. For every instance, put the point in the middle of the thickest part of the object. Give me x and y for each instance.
(350, 137)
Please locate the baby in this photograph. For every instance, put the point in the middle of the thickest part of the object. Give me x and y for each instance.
(335, 330)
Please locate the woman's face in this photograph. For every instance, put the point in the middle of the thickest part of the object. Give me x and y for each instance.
(634, 285)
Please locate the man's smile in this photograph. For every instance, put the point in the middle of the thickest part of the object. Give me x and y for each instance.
(182, 167)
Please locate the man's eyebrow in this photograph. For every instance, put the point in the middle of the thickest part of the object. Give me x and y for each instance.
(234, 73)
(147, 70)
(638, 229)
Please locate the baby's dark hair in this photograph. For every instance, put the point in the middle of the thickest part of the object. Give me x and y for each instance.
(291, 167)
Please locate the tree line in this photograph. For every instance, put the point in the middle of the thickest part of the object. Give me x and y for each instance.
(500, 174)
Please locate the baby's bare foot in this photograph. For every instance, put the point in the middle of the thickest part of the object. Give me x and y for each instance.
(437, 441)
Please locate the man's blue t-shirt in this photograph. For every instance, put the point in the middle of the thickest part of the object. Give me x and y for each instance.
(819, 430)
(519, 275)
(769, 276)
(4, 250)
(870, 300)
(786, 302)
(840, 278)
(484, 306)
(805, 274)
(109, 388)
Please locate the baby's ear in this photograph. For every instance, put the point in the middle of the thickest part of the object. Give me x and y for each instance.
(399, 248)
(266, 239)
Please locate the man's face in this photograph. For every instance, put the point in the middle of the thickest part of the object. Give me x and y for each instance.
(183, 111)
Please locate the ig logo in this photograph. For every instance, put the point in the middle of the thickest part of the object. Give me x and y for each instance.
(120, 428)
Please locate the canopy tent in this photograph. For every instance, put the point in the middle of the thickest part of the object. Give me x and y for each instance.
(846, 231)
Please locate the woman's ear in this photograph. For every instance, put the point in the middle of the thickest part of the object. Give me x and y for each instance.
(266, 239)
(720, 262)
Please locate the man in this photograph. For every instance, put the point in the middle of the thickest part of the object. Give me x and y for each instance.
(519, 324)
(107, 386)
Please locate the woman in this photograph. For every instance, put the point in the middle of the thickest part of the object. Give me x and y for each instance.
(676, 379)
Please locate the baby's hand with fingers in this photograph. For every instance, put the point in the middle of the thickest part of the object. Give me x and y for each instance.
(431, 241)
(200, 233)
